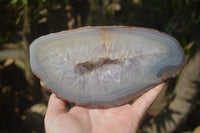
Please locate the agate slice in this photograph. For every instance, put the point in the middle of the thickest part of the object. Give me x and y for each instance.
(104, 66)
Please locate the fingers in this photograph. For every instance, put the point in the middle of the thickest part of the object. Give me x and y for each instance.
(55, 106)
(144, 102)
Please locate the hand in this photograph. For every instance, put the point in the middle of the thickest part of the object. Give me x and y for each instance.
(122, 119)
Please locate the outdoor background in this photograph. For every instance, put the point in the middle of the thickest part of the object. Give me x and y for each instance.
(22, 100)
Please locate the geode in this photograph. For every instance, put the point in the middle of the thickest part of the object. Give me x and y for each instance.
(105, 66)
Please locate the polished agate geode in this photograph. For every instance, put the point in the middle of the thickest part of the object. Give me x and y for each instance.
(105, 66)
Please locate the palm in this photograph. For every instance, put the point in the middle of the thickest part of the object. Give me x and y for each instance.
(101, 120)
(121, 119)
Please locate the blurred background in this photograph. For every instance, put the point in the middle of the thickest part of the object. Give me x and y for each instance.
(23, 101)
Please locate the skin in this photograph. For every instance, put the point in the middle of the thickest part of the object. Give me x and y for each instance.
(122, 119)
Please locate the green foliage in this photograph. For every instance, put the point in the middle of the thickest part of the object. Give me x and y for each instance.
(139, 131)
(20, 2)
(5, 37)
(19, 5)
(188, 49)
(198, 20)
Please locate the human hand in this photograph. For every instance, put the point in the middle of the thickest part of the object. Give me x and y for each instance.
(122, 119)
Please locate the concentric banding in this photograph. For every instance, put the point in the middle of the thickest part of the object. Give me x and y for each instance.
(136, 58)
